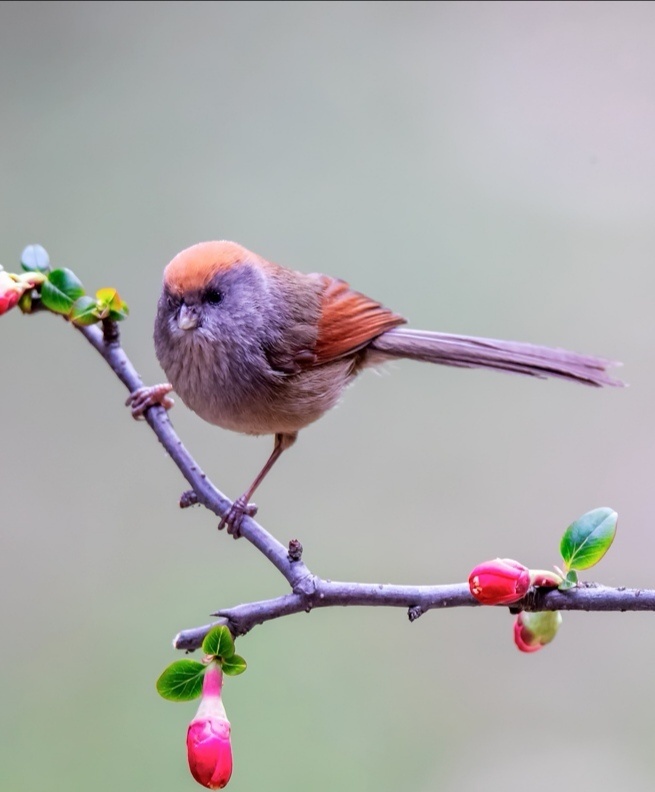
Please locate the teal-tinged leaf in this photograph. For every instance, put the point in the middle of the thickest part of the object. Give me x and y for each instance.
(232, 666)
(587, 540)
(181, 681)
(570, 580)
(35, 258)
(218, 642)
(85, 311)
(60, 290)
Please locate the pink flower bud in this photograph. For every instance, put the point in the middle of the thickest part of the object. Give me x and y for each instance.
(208, 738)
(499, 582)
(10, 291)
(532, 631)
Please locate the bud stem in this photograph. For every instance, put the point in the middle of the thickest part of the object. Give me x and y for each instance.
(212, 684)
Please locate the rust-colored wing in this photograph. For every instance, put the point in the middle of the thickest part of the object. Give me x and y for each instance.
(349, 320)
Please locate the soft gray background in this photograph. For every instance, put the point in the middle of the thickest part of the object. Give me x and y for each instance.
(485, 168)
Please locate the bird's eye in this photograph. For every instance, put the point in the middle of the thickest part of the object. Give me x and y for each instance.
(213, 296)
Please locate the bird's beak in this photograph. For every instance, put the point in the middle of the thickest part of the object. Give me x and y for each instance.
(187, 319)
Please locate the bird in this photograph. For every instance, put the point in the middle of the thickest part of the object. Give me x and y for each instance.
(256, 348)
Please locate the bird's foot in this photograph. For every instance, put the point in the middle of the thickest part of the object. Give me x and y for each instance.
(233, 519)
(143, 398)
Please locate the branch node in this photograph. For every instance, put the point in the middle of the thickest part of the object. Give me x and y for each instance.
(534, 600)
(188, 498)
(528, 603)
(306, 586)
(295, 550)
(414, 612)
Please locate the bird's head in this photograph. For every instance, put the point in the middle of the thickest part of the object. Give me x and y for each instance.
(211, 289)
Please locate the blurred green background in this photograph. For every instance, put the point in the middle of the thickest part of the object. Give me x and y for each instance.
(484, 168)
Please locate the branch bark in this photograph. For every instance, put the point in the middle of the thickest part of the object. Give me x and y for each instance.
(107, 342)
(418, 600)
(307, 590)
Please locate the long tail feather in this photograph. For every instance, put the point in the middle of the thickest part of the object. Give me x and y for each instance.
(470, 352)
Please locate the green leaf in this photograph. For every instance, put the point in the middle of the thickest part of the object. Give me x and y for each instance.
(587, 540)
(570, 581)
(60, 291)
(85, 311)
(232, 666)
(118, 314)
(106, 295)
(181, 681)
(35, 258)
(117, 310)
(218, 642)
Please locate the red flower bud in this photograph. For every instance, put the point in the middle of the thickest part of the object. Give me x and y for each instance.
(499, 582)
(10, 291)
(208, 738)
(532, 631)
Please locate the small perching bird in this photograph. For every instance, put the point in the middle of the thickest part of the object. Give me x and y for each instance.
(257, 348)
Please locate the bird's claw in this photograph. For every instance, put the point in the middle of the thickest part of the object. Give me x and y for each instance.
(143, 398)
(233, 519)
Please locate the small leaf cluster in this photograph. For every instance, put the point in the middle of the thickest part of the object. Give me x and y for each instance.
(585, 542)
(182, 680)
(62, 292)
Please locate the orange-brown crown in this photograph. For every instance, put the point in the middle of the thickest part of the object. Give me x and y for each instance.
(193, 268)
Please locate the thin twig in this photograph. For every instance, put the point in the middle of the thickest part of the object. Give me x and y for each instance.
(296, 573)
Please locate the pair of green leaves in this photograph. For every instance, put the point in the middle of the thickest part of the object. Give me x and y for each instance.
(62, 292)
(182, 680)
(586, 541)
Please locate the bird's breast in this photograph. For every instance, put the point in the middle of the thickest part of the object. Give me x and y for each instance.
(238, 390)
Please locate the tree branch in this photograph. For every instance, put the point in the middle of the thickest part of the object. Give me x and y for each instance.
(307, 590)
(418, 600)
(108, 344)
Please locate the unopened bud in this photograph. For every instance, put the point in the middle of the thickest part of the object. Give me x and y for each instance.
(208, 738)
(10, 291)
(532, 631)
(499, 582)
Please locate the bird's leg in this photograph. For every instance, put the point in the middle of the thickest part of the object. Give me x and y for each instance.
(148, 396)
(242, 504)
